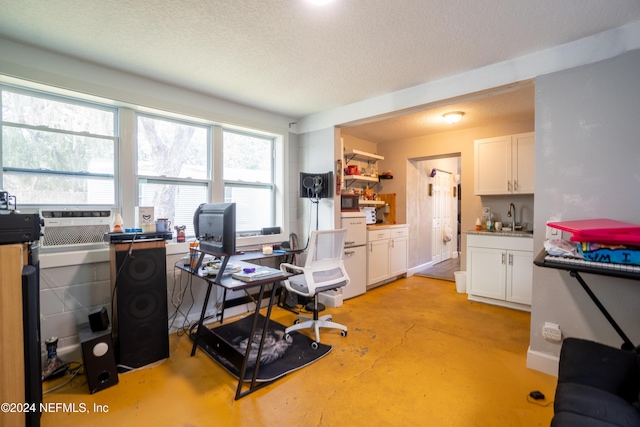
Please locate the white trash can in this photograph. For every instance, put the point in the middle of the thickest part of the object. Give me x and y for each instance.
(461, 281)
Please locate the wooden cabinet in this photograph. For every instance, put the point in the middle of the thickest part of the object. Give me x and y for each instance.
(12, 382)
(500, 270)
(504, 164)
(387, 255)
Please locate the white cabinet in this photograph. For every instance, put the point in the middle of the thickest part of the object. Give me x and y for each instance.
(500, 270)
(377, 256)
(387, 255)
(398, 248)
(504, 164)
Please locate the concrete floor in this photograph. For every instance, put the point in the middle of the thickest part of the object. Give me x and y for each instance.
(417, 353)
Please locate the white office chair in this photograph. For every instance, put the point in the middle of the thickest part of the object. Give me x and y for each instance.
(323, 271)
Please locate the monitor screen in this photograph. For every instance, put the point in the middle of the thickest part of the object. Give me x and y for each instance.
(215, 227)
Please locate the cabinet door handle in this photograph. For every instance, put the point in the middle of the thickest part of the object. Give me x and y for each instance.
(503, 257)
(349, 242)
(370, 247)
(393, 243)
(510, 259)
(349, 252)
(508, 185)
(515, 185)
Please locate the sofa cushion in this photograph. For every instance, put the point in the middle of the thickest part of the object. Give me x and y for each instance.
(598, 365)
(569, 419)
(594, 403)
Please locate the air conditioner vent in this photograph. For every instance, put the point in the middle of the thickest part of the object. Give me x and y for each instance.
(74, 227)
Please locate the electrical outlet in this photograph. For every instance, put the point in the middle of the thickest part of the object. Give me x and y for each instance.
(486, 211)
(553, 233)
(552, 332)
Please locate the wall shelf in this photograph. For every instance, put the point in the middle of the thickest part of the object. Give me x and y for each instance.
(363, 178)
(362, 156)
(371, 202)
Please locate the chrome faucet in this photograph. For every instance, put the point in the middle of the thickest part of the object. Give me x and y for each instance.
(511, 205)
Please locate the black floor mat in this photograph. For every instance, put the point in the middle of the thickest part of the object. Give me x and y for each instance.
(279, 356)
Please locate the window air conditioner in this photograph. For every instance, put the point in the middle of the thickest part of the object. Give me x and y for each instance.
(65, 227)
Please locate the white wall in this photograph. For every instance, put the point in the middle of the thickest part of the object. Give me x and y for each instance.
(587, 163)
(317, 153)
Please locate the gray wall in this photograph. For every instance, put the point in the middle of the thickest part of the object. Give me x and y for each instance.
(587, 166)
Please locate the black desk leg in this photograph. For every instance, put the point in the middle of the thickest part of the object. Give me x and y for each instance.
(265, 327)
(206, 298)
(243, 369)
(627, 345)
(201, 321)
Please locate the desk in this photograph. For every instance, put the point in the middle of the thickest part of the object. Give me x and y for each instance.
(577, 266)
(207, 338)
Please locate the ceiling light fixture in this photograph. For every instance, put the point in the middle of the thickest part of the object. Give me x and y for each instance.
(320, 2)
(453, 117)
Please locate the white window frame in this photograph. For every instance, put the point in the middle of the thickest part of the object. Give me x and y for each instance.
(126, 180)
(259, 185)
(115, 138)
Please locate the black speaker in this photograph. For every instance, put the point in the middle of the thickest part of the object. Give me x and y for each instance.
(31, 326)
(98, 357)
(140, 317)
(99, 319)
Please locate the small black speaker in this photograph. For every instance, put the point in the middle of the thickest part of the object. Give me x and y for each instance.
(99, 319)
(99, 358)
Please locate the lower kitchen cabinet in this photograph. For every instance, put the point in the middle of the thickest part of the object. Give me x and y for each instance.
(387, 254)
(500, 270)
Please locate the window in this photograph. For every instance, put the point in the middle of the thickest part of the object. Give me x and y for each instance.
(173, 167)
(57, 151)
(249, 179)
(74, 150)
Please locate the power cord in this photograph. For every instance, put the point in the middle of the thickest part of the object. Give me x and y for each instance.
(74, 372)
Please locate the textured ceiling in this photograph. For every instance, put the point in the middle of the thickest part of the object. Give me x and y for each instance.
(296, 59)
(509, 104)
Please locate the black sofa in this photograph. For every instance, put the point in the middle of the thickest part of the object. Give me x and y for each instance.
(598, 386)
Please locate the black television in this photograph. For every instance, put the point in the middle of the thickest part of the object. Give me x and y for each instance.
(215, 227)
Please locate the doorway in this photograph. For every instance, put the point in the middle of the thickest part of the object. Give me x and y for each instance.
(434, 185)
(441, 220)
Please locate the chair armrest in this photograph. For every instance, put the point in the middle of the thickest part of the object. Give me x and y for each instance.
(285, 266)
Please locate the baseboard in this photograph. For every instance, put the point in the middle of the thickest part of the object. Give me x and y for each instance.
(501, 303)
(417, 269)
(542, 362)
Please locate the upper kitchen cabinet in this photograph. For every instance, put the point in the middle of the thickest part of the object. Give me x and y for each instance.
(504, 164)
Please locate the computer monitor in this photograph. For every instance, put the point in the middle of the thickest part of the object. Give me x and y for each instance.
(215, 227)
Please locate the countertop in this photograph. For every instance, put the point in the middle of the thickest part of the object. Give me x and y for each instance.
(384, 226)
(517, 233)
